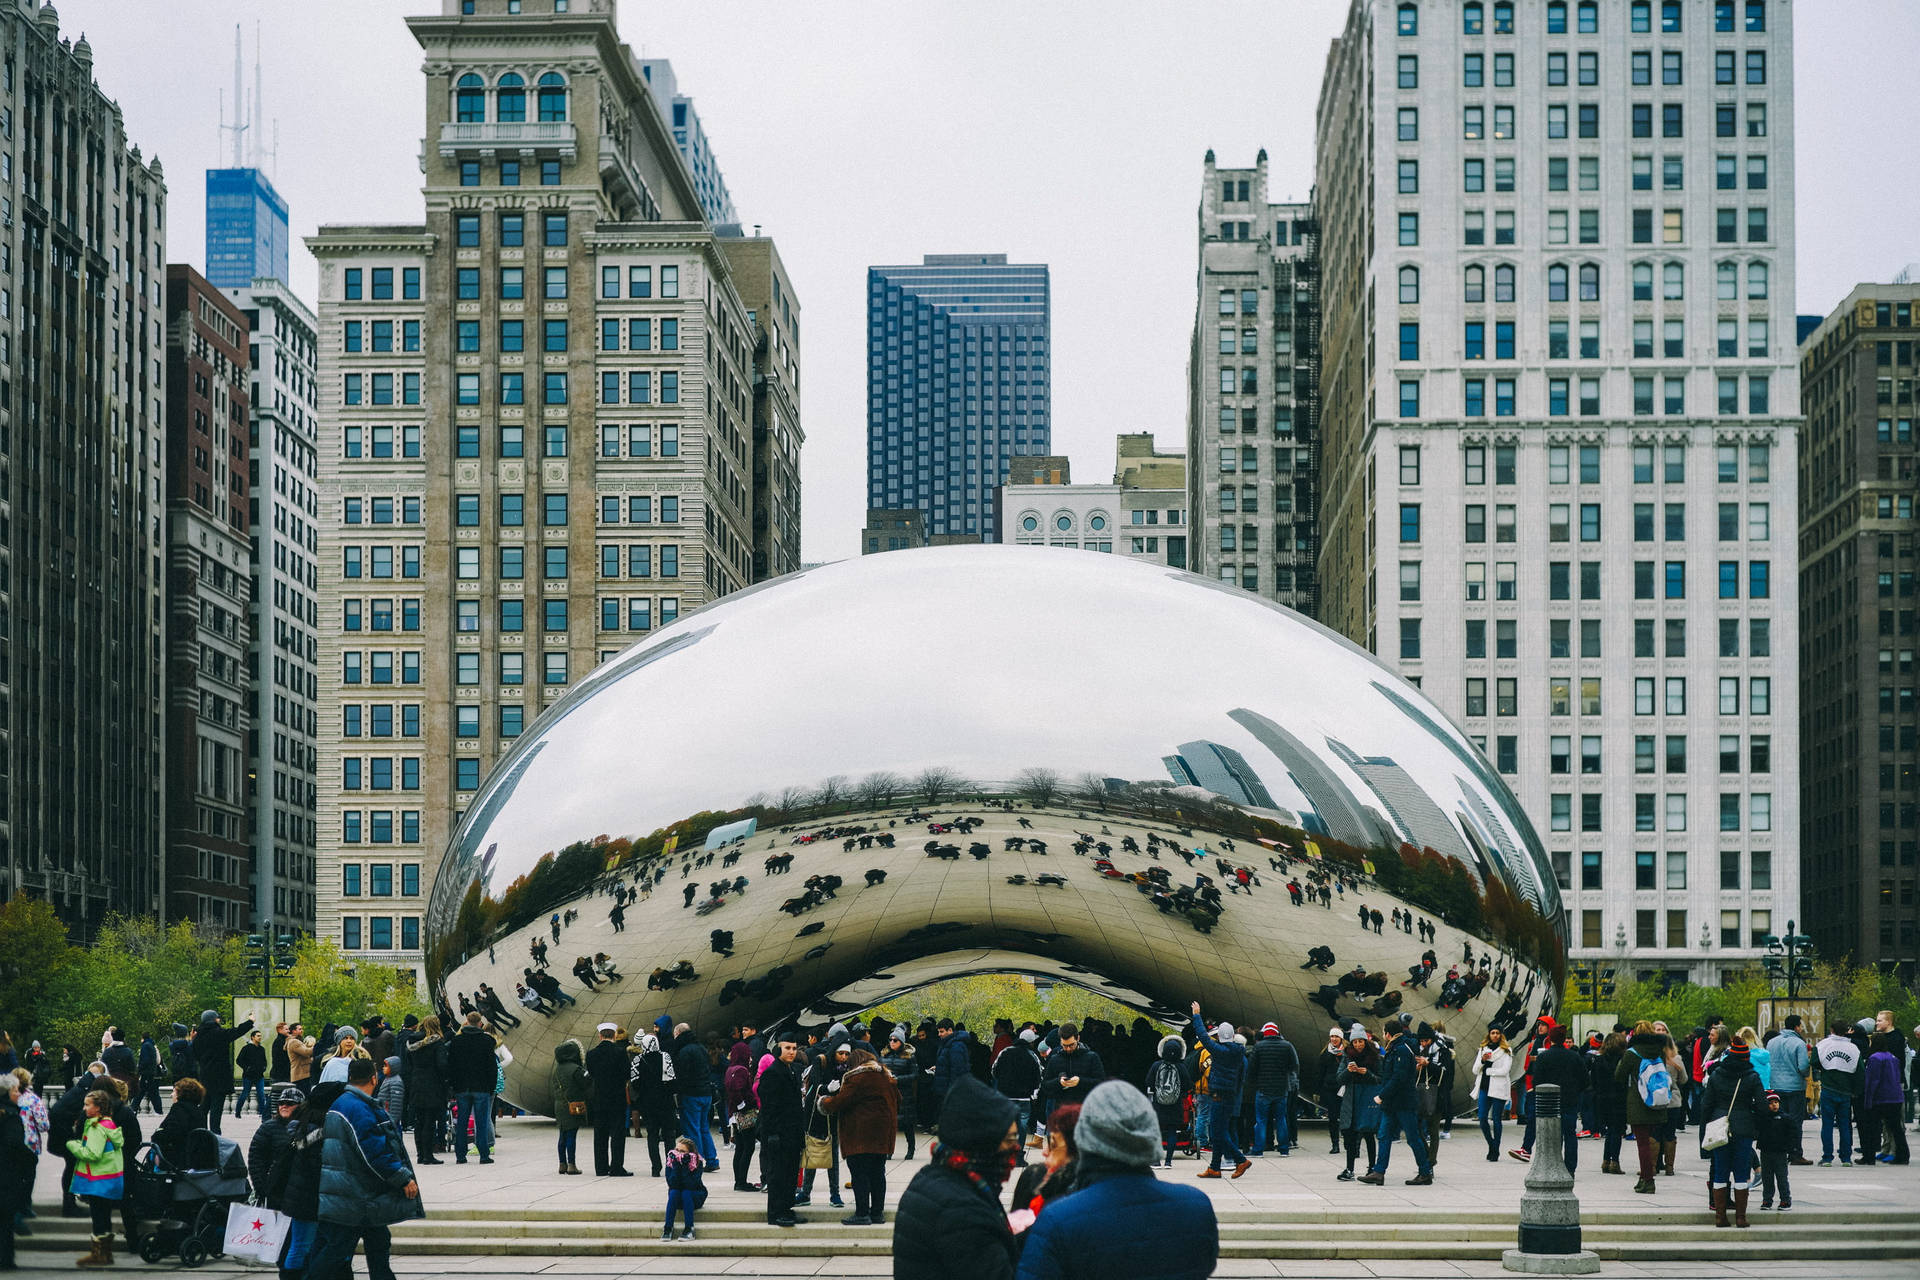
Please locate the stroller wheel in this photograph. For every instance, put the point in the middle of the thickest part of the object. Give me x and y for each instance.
(192, 1252)
(152, 1249)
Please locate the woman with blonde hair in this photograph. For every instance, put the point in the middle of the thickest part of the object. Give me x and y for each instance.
(344, 1052)
(1492, 1087)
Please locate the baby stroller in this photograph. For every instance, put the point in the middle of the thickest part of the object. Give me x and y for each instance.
(183, 1205)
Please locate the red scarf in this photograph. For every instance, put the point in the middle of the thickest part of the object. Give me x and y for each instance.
(987, 1170)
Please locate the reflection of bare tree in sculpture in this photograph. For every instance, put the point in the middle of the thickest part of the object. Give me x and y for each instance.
(1090, 789)
(1037, 785)
(830, 792)
(877, 790)
(936, 783)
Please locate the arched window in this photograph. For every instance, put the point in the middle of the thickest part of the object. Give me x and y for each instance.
(1503, 283)
(1409, 20)
(1096, 522)
(1063, 522)
(511, 100)
(1409, 284)
(1476, 290)
(1589, 282)
(1757, 280)
(1029, 522)
(553, 97)
(1503, 19)
(1588, 17)
(1472, 18)
(1673, 280)
(1726, 277)
(470, 99)
(1557, 282)
(1643, 282)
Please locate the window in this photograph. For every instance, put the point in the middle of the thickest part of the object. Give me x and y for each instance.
(1409, 20)
(1409, 124)
(1409, 72)
(1409, 284)
(1409, 398)
(1756, 66)
(1409, 228)
(1475, 289)
(1410, 464)
(1409, 341)
(1409, 638)
(1409, 523)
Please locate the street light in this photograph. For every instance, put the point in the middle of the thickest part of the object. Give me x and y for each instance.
(267, 954)
(1789, 957)
(1593, 980)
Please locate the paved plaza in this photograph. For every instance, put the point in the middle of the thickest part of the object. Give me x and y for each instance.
(518, 1217)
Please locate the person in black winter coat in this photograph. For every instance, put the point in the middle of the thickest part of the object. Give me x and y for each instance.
(213, 1062)
(16, 1167)
(950, 1224)
(471, 1071)
(188, 1113)
(270, 1139)
(1072, 1071)
(1273, 1070)
(252, 1061)
(425, 1057)
(607, 1103)
(64, 1121)
(783, 1127)
(1016, 1074)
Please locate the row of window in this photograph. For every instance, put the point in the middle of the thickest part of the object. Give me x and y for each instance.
(1582, 121)
(379, 720)
(510, 719)
(378, 614)
(379, 773)
(1561, 459)
(378, 666)
(1760, 926)
(377, 879)
(376, 826)
(638, 560)
(1672, 229)
(1560, 637)
(1561, 277)
(381, 279)
(1474, 400)
(380, 510)
(1562, 171)
(378, 335)
(1560, 524)
(1640, 17)
(1759, 812)
(1652, 695)
(1474, 346)
(378, 932)
(1654, 870)
(510, 98)
(639, 612)
(509, 173)
(1586, 67)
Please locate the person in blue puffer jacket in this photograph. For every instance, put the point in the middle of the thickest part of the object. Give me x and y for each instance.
(366, 1183)
(1226, 1070)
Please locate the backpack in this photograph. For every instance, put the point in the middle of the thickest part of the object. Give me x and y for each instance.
(1655, 1083)
(1164, 1084)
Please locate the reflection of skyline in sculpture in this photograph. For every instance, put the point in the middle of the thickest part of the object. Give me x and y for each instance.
(500, 789)
(1221, 770)
(1419, 820)
(1515, 870)
(1331, 808)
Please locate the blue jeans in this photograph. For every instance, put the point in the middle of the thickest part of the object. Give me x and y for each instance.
(1836, 1111)
(1202, 1120)
(681, 1202)
(1526, 1112)
(300, 1234)
(480, 1107)
(1404, 1122)
(1493, 1115)
(1271, 1107)
(333, 1250)
(693, 1123)
(1732, 1164)
(1221, 1123)
(254, 1087)
(1023, 1115)
(569, 1146)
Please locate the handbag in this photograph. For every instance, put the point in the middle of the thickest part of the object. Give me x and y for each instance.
(818, 1153)
(745, 1121)
(1719, 1130)
(255, 1233)
(576, 1108)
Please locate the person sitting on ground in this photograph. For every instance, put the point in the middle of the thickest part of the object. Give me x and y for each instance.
(1121, 1221)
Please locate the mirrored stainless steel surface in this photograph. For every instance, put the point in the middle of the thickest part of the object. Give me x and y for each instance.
(1145, 726)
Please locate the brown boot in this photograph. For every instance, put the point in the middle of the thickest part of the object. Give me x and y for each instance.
(1719, 1197)
(1667, 1150)
(101, 1256)
(1740, 1208)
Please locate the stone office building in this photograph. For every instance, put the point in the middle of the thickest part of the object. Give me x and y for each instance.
(82, 433)
(1859, 562)
(1560, 407)
(537, 436)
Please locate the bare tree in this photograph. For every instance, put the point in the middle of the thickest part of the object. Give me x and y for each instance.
(936, 782)
(830, 792)
(1091, 789)
(791, 800)
(1039, 786)
(877, 790)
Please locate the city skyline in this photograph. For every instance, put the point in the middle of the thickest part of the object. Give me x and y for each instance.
(966, 176)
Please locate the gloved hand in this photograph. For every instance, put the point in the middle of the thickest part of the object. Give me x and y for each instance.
(833, 1086)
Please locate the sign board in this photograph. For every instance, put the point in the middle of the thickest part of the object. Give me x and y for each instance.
(1812, 1010)
(1584, 1024)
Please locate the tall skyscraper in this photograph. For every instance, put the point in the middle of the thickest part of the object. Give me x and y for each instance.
(1559, 401)
(82, 430)
(958, 385)
(283, 509)
(765, 289)
(1219, 769)
(1860, 818)
(1253, 390)
(246, 228)
(209, 594)
(691, 139)
(537, 418)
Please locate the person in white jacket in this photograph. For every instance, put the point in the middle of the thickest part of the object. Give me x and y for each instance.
(1492, 1088)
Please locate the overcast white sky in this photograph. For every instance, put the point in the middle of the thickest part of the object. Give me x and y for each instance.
(1070, 133)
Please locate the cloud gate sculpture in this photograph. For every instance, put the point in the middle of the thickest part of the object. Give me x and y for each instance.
(845, 784)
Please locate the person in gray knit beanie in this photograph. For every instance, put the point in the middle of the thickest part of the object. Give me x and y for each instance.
(1117, 1124)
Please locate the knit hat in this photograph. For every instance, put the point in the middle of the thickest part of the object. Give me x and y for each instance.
(1424, 1033)
(1739, 1049)
(1028, 1035)
(837, 1029)
(1335, 1032)
(1223, 1032)
(1271, 1029)
(1117, 1124)
(1356, 1032)
(975, 1117)
(898, 1033)
(1772, 1096)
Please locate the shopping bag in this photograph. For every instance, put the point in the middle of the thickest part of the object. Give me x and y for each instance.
(256, 1234)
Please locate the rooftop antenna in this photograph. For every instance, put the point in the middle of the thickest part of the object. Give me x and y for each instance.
(239, 126)
(261, 151)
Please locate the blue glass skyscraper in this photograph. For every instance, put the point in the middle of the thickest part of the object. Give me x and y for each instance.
(958, 384)
(246, 228)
